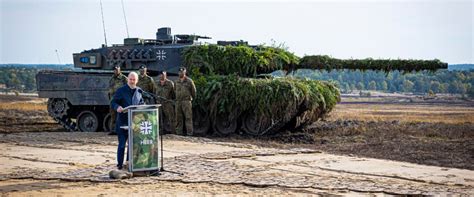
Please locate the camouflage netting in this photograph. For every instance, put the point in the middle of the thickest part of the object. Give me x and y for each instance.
(262, 105)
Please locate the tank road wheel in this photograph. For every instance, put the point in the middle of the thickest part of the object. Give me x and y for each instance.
(87, 121)
(58, 107)
(224, 125)
(254, 125)
(106, 124)
(201, 122)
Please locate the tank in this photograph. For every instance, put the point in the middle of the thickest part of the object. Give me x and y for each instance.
(236, 91)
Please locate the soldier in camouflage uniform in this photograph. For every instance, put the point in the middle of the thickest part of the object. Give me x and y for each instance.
(118, 80)
(185, 92)
(145, 82)
(166, 95)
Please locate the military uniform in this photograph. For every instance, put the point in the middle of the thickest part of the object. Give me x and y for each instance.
(166, 92)
(185, 92)
(115, 83)
(146, 83)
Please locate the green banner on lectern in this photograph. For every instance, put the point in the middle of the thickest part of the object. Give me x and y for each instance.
(143, 139)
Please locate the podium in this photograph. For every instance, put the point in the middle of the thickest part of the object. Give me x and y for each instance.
(144, 140)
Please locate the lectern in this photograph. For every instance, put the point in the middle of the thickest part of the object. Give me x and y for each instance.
(144, 143)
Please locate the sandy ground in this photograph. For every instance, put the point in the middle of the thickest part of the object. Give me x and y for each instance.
(78, 163)
(349, 157)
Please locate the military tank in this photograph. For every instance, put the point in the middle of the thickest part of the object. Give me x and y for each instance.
(236, 92)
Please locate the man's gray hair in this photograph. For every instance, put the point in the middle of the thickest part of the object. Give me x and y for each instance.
(133, 73)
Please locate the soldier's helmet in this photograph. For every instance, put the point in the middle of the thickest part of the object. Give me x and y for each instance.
(143, 66)
(182, 69)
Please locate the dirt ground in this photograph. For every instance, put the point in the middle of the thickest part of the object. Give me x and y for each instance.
(439, 144)
(25, 114)
(433, 132)
(385, 146)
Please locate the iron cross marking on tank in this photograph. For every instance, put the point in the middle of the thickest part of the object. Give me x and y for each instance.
(161, 54)
(145, 127)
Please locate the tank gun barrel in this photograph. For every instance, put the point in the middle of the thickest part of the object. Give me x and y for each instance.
(324, 62)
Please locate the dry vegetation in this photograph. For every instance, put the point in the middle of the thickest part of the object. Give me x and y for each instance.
(23, 106)
(405, 112)
(25, 114)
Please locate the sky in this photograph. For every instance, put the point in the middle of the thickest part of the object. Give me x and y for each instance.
(32, 30)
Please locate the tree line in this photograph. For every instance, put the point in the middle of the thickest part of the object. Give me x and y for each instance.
(18, 79)
(423, 82)
(22, 78)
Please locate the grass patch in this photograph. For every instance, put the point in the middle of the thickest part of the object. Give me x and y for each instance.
(24, 106)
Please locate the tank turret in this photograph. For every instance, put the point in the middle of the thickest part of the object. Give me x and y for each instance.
(162, 53)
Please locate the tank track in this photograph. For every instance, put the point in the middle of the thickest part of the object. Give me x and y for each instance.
(67, 123)
(57, 109)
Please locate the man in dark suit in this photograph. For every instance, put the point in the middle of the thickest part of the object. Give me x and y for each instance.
(125, 96)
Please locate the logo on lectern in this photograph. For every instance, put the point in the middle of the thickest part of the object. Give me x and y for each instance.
(145, 127)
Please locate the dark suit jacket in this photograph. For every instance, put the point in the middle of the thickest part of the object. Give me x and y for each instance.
(124, 97)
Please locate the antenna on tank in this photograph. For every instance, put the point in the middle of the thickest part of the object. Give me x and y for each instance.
(103, 23)
(125, 18)
(57, 55)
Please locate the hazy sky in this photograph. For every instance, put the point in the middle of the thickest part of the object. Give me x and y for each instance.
(31, 30)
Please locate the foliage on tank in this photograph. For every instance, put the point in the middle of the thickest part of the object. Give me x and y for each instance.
(249, 61)
(324, 62)
(275, 102)
(272, 103)
(244, 61)
(227, 87)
